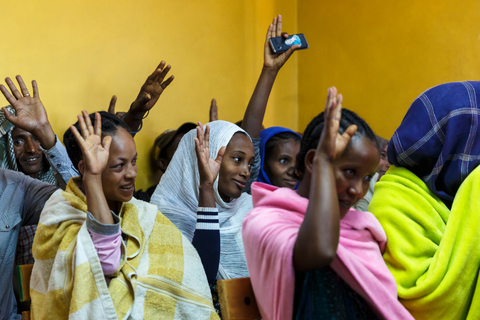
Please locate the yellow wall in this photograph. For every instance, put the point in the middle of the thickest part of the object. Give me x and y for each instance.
(379, 54)
(83, 52)
(382, 54)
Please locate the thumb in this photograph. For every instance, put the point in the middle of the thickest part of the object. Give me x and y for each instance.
(220, 155)
(144, 99)
(10, 117)
(107, 141)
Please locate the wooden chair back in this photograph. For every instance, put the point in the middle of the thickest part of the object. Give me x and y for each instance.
(23, 275)
(237, 300)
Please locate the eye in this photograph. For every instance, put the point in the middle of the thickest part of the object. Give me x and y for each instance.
(117, 166)
(134, 161)
(369, 178)
(350, 172)
(18, 142)
(383, 155)
(237, 159)
(283, 161)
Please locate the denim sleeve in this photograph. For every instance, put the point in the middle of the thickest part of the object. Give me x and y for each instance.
(62, 166)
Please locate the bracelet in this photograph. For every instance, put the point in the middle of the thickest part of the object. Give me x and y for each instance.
(141, 124)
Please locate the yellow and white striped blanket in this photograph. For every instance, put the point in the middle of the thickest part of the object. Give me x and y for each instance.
(160, 275)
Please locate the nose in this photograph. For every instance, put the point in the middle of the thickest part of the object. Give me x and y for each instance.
(290, 171)
(245, 171)
(356, 189)
(131, 172)
(387, 165)
(30, 146)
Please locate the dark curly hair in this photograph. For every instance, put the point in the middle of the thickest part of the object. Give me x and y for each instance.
(312, 133)
(110, 125)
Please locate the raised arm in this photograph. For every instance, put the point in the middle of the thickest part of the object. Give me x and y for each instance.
(148, 96)
(207, 231)
(253, 119)
(318, 237)
(95, 158)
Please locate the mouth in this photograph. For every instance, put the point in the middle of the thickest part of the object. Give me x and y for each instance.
(291, 183)
(31, 160)
(345, 203)
(240, 184)
(128, 188)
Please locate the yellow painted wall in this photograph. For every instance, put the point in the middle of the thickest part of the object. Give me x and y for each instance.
(382, 54)
(83, 52)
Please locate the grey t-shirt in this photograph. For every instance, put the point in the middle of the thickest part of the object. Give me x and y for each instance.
(21, 201)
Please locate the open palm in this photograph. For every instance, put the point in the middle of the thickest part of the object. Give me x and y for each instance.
(95, 154)
(30, 114)
(207, 167)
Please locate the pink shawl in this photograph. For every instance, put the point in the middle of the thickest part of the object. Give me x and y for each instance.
(269, 234)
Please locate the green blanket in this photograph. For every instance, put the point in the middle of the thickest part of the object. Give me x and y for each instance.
(433, 252)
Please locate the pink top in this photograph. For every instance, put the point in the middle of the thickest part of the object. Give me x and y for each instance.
(269, 234)
(108, 250)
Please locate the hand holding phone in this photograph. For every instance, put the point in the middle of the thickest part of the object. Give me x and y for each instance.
(280, 44)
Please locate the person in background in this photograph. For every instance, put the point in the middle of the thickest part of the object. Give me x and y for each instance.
(362, 204)
(162, 153)
(22, 199)
(310, 255)
(278, 150)
(384, 164)
(428, 203)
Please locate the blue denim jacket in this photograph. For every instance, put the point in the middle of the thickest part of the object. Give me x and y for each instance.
(21, 201)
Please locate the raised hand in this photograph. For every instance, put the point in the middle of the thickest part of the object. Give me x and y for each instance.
(95, 153)
(332, 143)
(207, 167)
(274, 60)
(111, 108)
(213, 111)
(151, 91)
(30, 114)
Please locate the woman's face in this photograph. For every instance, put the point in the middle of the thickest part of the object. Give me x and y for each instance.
(354, 170)
(383, 165)
(118, 178)
(235, 169)
(279, 164)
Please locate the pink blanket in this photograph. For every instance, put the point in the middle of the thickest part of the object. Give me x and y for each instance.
(269, 234)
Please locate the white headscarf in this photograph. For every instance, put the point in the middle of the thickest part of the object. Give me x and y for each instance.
(177, 198)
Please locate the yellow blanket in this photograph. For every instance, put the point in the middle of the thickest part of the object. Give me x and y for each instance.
(160, 275)
(433, 252)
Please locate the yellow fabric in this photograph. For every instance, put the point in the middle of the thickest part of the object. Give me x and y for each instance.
(433, 252)
(160, 274)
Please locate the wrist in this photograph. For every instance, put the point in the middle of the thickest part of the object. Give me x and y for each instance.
(271, 71)
(206, 186)
(45, 136)
(134, 113)
(90, 178)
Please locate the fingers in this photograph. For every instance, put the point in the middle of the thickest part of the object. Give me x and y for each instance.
(11, 99)
(10, 117)
(107, 141)
(167, 82)
(113, 102)
(23, 87)
(270, 32)
(350, 132)
(88, 122)
(77, 136)
(279, 26)
(290, 51)
(35, 89)
(12, 87)
(98, 124)
(153, 77)
(163, 74)
(213, 111)
(207, 137)
(220, 155)
(274, 29)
